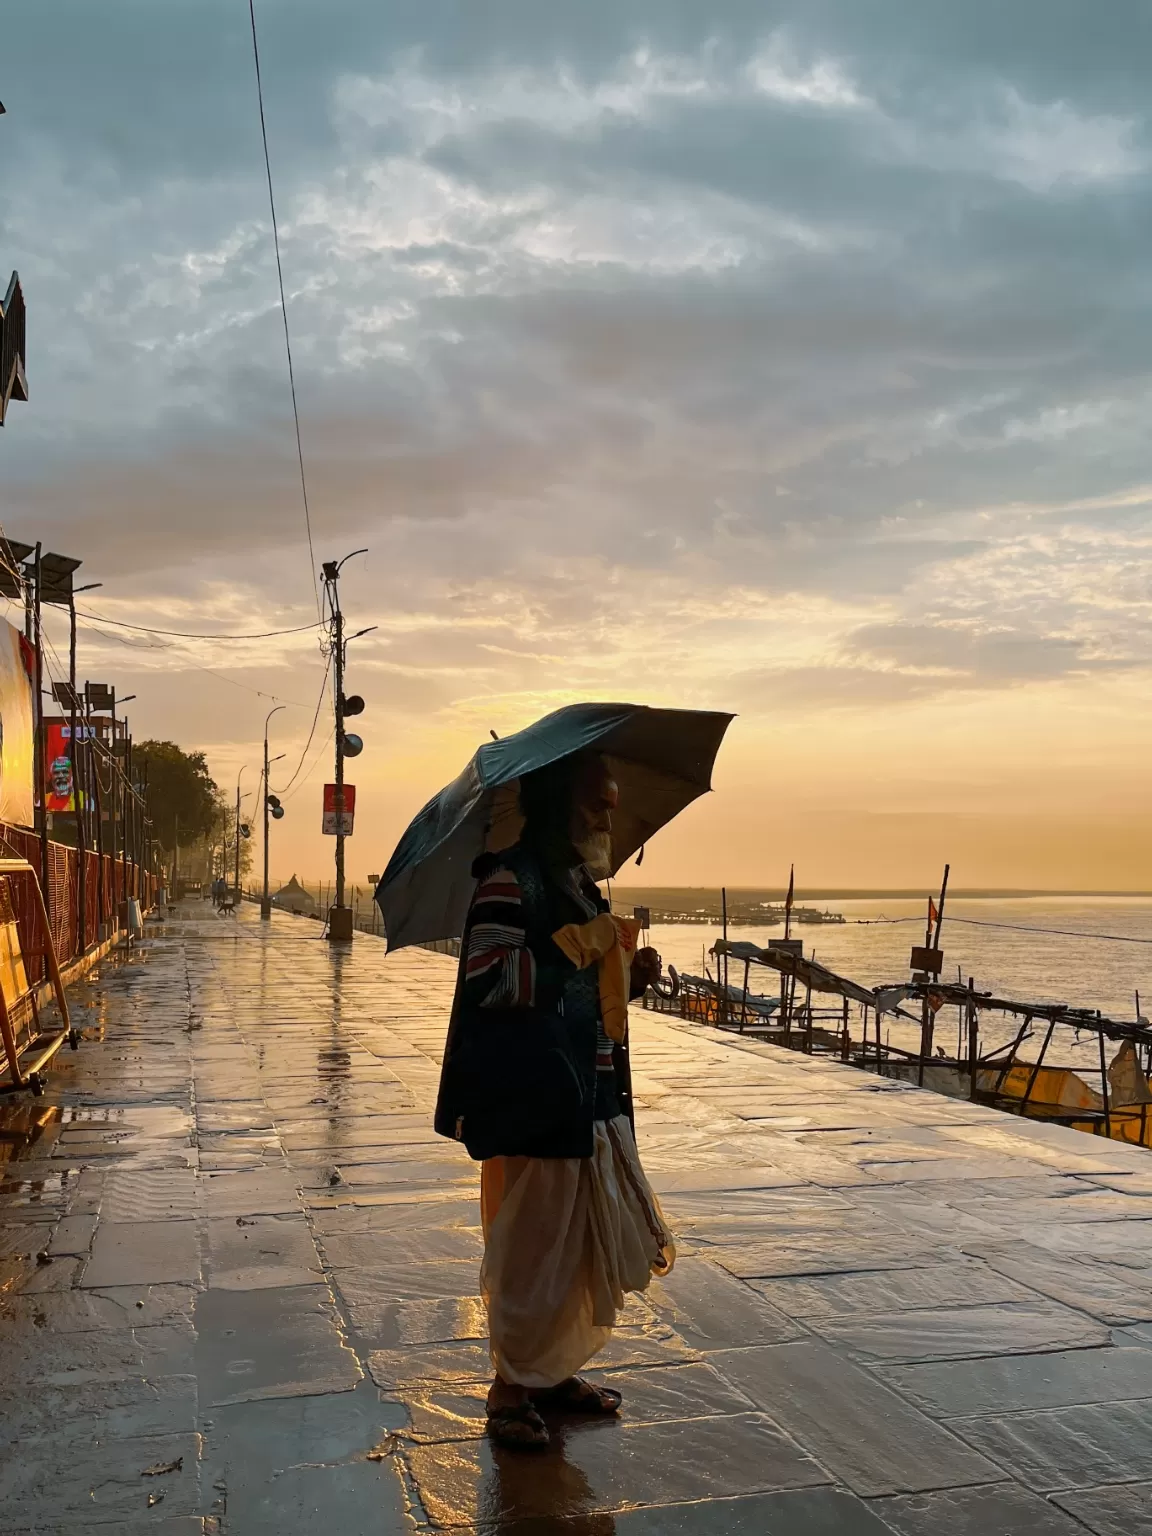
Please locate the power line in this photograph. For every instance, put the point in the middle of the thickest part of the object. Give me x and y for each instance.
(312, 732)
(979, 922)
(195, 666)
(1067, 933)
(186, 634)
(313, 765)
(284, 306)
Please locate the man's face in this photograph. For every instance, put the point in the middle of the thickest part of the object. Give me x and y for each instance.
(594, 798)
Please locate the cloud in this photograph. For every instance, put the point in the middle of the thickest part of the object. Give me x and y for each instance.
(799, 352)
(954, 655)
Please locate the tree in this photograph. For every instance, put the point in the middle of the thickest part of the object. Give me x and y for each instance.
(182, 795)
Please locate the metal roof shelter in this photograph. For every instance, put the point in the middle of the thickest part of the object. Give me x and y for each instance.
(13, 380)
(809, 973)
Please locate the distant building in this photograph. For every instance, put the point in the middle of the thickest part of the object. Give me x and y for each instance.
(13, 382)
(294, 898)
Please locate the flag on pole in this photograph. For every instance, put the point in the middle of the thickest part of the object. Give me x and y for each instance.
(933, 914)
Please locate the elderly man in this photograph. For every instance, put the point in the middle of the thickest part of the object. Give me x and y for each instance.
(538, 1092)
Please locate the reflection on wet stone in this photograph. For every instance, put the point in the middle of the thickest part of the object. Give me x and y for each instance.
(250, 1234)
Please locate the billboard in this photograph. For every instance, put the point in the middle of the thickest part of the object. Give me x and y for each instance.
(16, 732)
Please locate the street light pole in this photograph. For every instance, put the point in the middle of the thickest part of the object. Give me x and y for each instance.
(236, 882)
(338, 658)
(339, 915)
(266, 900)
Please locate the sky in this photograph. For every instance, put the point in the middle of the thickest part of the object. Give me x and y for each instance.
(786, 359)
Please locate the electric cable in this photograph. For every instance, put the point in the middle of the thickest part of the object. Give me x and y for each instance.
(978, 922)
(312, 732)
(185, 634)
(284, 307)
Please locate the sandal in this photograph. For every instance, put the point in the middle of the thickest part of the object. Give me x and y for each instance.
(579, 1396)
(518, 1426)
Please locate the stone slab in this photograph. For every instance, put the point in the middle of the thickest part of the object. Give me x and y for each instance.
(830, 1254)
(72, 1236)
(296, 1466)
(609, 1466)
(143, 1253)
(271, 1343)
(710, 1309)
(373, 1251)
(1111, 1293)
(1059, 1380)
(1002, 1510)
(256, 1192)
(86, 1482)
(805, 1512)
(867, 1436)
(1066, 1448)
(1122, 1510)
(941, 1333)
(260, 1252)
(851, 1295)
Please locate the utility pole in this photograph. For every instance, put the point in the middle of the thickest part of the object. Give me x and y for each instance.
(40, 754)
(93, 766)
(114, 813)
(265, 899)
(340, 914)
(78, 795)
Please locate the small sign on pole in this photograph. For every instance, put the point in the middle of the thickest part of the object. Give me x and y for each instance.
(643, 916)
(931, 961)
(338, 818)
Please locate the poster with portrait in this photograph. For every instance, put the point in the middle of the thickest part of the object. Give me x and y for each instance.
(16, 733)
(58, 794)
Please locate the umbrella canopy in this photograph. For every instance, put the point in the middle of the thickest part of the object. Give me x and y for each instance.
(660, 758)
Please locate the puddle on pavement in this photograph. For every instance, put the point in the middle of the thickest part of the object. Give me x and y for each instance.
(24, 1126)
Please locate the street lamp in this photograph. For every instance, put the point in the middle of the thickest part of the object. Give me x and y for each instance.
(340, 915)
(265, 899)
(236, 882)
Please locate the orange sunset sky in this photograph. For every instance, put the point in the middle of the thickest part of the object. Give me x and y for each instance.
(790, 360)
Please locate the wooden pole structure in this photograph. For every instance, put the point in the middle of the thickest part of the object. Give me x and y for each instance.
(931, 941)
(722, 969)
(925, 1010)
(1039, 1062)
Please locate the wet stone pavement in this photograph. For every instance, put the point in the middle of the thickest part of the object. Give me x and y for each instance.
(240, 1273)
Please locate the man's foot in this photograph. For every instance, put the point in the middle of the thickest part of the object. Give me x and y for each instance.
(512, 1420)
(578, 1396)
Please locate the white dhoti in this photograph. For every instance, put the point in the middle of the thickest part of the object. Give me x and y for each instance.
(565, 1238)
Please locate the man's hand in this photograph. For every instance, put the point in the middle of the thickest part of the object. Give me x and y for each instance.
(646, 970)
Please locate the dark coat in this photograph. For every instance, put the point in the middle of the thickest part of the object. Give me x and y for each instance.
(521, 1081)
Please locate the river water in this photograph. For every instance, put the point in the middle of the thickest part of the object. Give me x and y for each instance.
(870, 947)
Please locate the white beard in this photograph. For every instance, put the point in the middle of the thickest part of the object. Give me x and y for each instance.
(596, 851)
